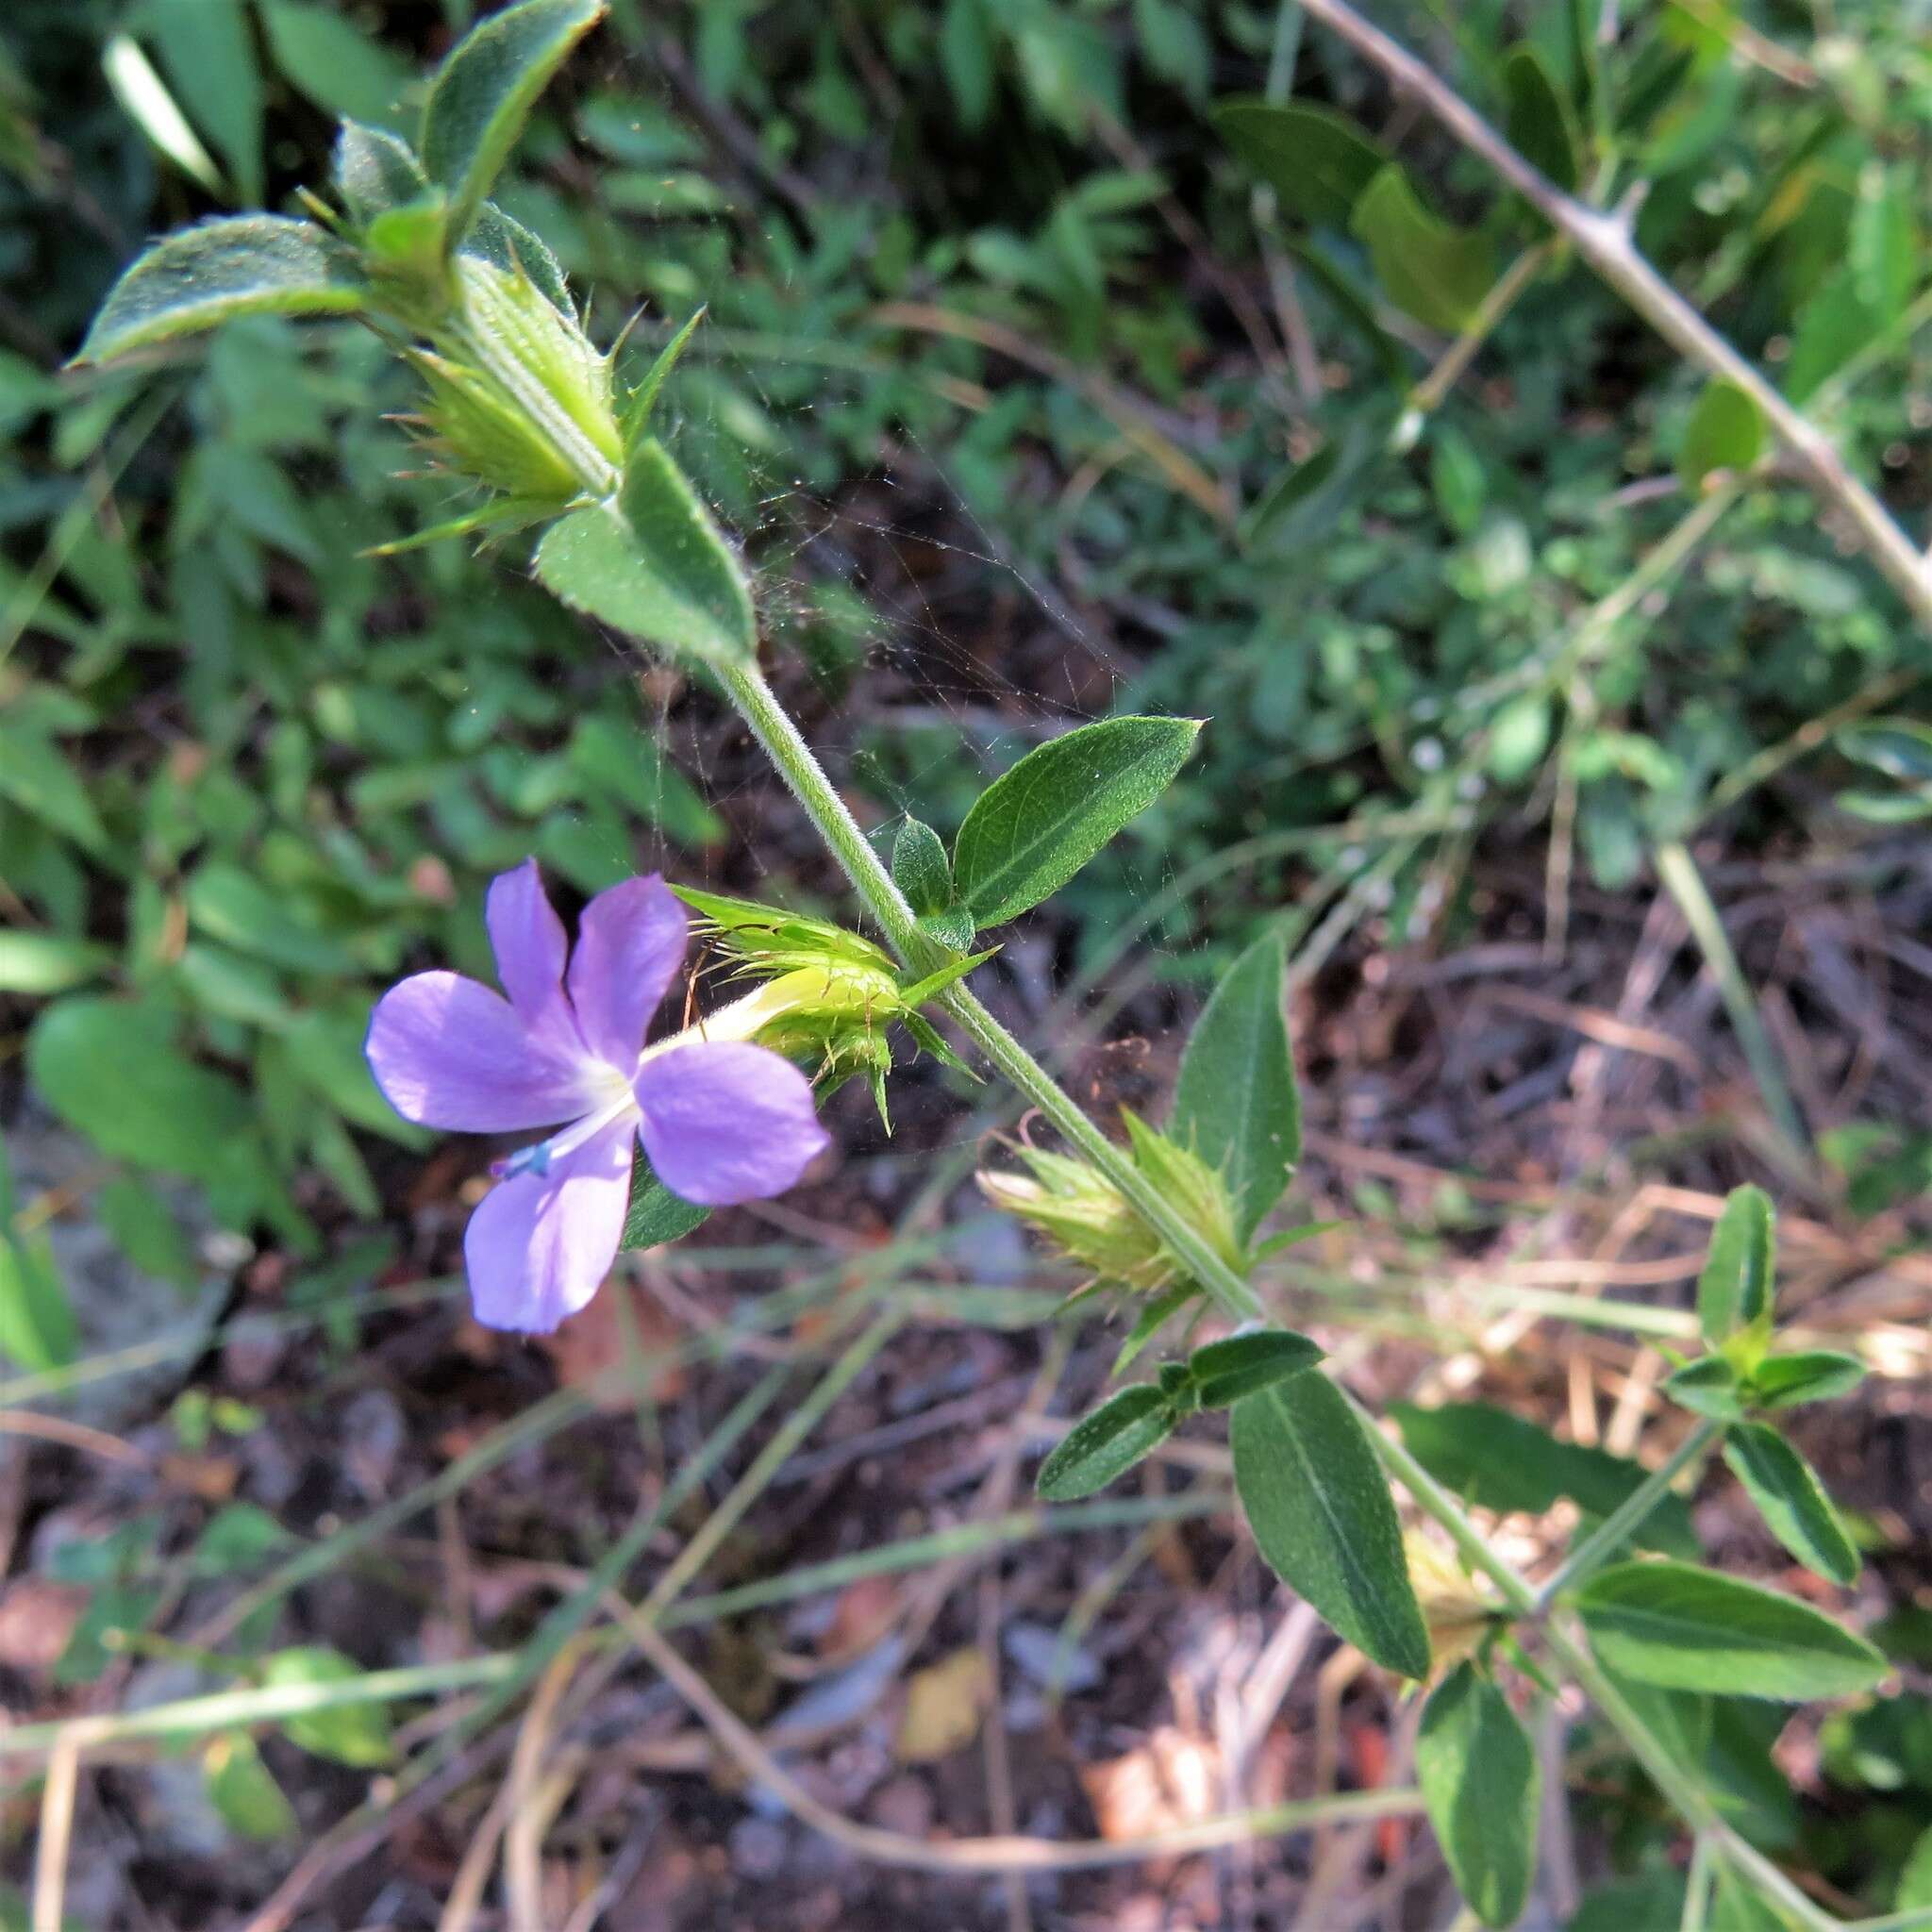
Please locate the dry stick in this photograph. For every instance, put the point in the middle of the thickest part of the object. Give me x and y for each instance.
(57, 1830)
(984, 1856)
(1604, 240)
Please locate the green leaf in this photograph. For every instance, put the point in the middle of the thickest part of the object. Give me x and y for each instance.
(236, 1538)
(1806, 1374)
(1355, 307)
(1317, 161)
(1725, 432)
(660, 570)
(1319, 1505)
(1734, 1288)
(503, 242)
(1793, 1501)
(643, 399)
(209, 55)
(1429, 268)
(373, 171)
(110, 1069)
(37, 1326)
(37, 776)
(1542, 124)
(483, 93)
(1153, 1317)
(243, 1788)
(1709, 1387)
(236, 265)
(1914, 1892)
(233, 906)
(1235, 1102)
(921, 869)
(1899, 747)
(1224, 1371)
(44, 962)
(1478, 1777)
(1691, 1629)
(1632, 1905)
(145, 1230)
(1106, 1444)
(353, 1734)
(327, 58)
(656, 1214)
(1502, 1462)
(1037, 824)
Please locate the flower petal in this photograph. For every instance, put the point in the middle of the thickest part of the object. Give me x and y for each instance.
(541, 1245)
(723, 1122)
(449, 1053)
(629, 942)
(527, 937)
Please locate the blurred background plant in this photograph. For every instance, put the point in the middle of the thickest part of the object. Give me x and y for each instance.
(1043, 377)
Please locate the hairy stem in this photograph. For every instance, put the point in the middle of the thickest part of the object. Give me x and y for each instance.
(1619, 1525)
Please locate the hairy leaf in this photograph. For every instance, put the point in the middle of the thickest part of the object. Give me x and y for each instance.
(236, 265)
(1734, 1288)
(1793, 1501)
(1315, 1496)
(1236, 1102)
(1691, 1629)
(1478, 1777)
(1037, 824)
(1106, 1444)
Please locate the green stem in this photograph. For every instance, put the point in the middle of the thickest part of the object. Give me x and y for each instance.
(1615, 1529)
(774, 729)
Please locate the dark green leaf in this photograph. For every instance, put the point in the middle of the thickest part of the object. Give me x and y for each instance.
(237, 265)
(1899, 747)
(483, 93)
(1355, 307)
(503, 242)
(1726, 433)
(325, 57)
(237, 1538)
(1316, 160)
(656, 1214)
(1037, 824)
(37, 776)
(1813, 1374)
(1318, 1503)
(230, 904)
(373, 171)
(1691, 1629)
(1734, 1288)
(657, 567)
(1541, 124)
(351, 1734)
(209, 55)
(1632, 1905)
(1236, 1102)
(1504, 1462)
(1793, 1501)
(1478, 1777)
(921, 869)
(1429, 268)
(1304, 503)
(1224, 1371)
(1106, 1444)
(951, 928)
(1153, 1318)
(243, 1788)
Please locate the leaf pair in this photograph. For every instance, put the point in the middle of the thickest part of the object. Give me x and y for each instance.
(1037, 824)
(1106, 1444)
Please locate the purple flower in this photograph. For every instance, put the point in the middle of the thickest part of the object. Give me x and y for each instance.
(723, 1120)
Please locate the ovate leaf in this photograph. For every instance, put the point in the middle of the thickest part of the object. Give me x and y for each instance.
(1793, 1501)
(372, 172)
(1428, 267)
(1316, 160)
(1691, 1629)
(1808, 1374)
(1106, 1444)
(921, 869)
(325, 57)
(1037, 824)
(1236, 1102)
(484, 91)
(1726, 432)
(1735, 1287)
(237, 265)
(1315, 1496)
(243, 1788)
(44, 962)
(656, 566)
(1478, 1778)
